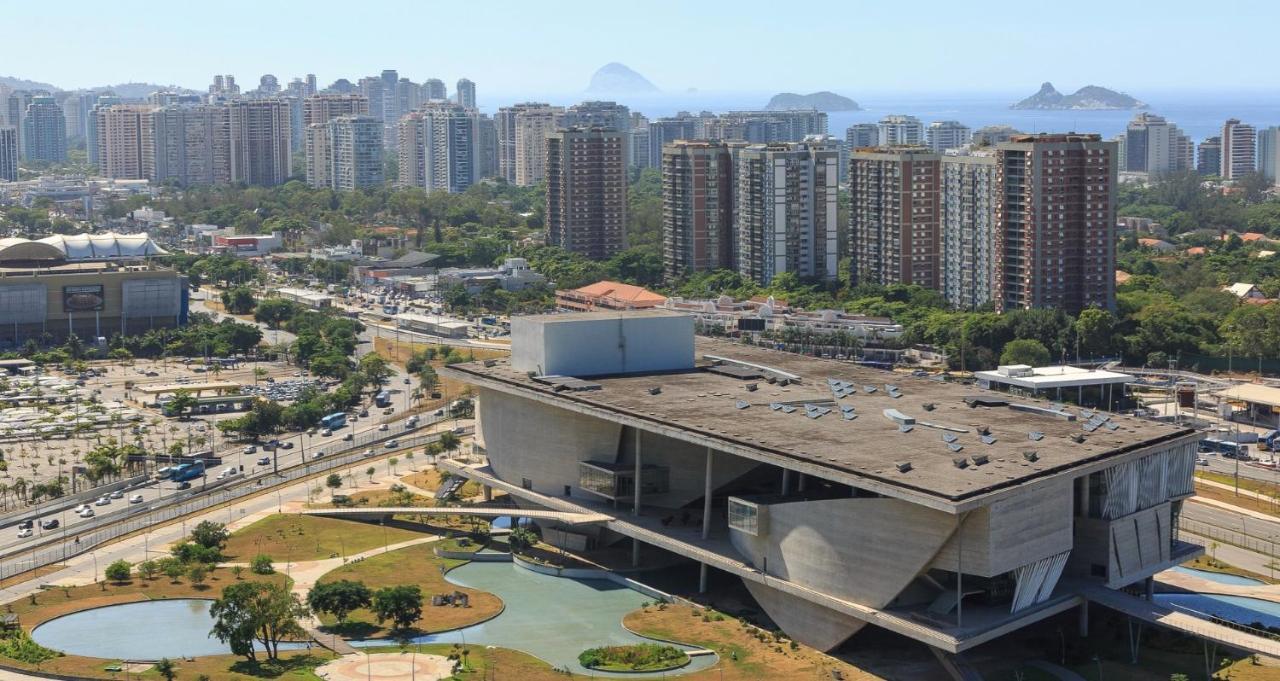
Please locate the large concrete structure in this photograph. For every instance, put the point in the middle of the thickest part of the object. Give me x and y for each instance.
(439, 147)
(91, 128)
(943, 513)
(261, 144)
(587, 191)
(766, 127)
(901, 131)
(697, 206)
(125, 141)
(894, 216)
(352, 154)
(786, 211)
(1156, 146)
(1269, 154)
(505, 124)
(8, 153)
(317, 111)
(968, 226)
(92, 285)
(943, 135)
(44, 131)
(1055, 236)
(1209, 156)
(532, 125)
(861, 135)
(1239, 150)
(191, 145)
(663, 131)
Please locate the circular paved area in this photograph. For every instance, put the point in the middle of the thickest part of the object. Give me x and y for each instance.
(387, 667)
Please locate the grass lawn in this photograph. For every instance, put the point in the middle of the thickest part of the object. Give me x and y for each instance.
(1229, 497)
(1261, 486)
(292, 537)
(374, 497)
(1210, 565)
(413, 565)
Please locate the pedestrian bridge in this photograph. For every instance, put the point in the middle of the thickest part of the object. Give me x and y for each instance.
(1234, 636)
(386, 512)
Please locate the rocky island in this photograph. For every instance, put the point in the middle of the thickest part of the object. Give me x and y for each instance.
(1089, 97)
(822, 101)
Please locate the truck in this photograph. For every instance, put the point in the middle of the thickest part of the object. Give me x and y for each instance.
(390, 309)
(382, 399)
(334, 421)
(188, 471)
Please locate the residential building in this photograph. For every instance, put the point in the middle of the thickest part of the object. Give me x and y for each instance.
(487, 134)
(433, 89)
(191, 145)
(837, 507)
(1155, 146)
(317, 111)
(353, 151)
(968, 226)
(1055, 223)
(439, 147)
(992, 135)
(466, 93)
(125, 141)
(1269, 154)
(533, 124)
(514, 275)
(765, 313)
(1209, 156)
(639, 147)
(697, 207)
(895, 216)
(8, 153)
(91, 127)
(505, 124)
(598, 114)
(44, 131)
(901, 131)
(1239, 149)
(261, 150)
(587, 191)
(764, 127)
(785, 211)
(944, 135)
(663, 131)
(861, 135)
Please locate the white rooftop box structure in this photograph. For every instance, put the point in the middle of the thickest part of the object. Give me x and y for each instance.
(601, 343)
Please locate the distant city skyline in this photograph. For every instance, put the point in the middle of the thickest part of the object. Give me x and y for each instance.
(103, 44)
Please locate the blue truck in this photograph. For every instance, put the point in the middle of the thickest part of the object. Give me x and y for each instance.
(382, 399)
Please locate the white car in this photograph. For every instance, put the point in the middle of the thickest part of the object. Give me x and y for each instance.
(383, 427)
(104, 501)
(326, 432)
(135, 499)
(86, 513)
(392, 444)
(118, 494)
(368, 453)
(24, 533)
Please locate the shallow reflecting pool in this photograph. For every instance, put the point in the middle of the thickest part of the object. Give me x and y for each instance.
(1238, 609)
(552, 618)
(1219, 577)
(147, 630)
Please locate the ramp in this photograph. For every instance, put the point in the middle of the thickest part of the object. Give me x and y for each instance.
(1219, 631)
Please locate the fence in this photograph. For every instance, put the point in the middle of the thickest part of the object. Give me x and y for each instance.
(89, 536)
(1264, 546)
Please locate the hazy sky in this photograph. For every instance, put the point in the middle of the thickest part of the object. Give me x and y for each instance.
(517, 48)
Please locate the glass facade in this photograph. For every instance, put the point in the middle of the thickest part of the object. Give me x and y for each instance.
(617, 481)
(744, 516)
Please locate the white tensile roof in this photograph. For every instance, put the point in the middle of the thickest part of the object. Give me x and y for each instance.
(109, 246)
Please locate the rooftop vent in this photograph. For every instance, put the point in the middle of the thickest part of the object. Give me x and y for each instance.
(742, 404)
(775, 405)
(1078, 438)
(903, 466)
(929, 406)
(899, 417)
(950, 437)
(752, 387)
(1031, 455)
(1035, 436)
(813, 411)
(849, 415)
(1044, 411)
(489, 363)
(955, 446)
(960, 462)
(905, 428)
(655, 390)
(988, 439)
(869, 389)
(787, 409)
(984, 401)
(980, 459)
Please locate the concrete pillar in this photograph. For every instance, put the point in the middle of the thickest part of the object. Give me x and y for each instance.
(706, 500)
(635, 552)
(800, 482)
(702, 578)
(635, 504)
(1082, 619)
(488, 493)
(786, 482)
(1150, 586)
(1080, 396)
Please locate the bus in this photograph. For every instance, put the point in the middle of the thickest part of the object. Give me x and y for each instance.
(382, 399)
(334, 421)
(1228, 449)
(188, 471)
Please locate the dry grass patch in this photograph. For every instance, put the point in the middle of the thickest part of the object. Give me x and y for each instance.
(292, 537)
(1243, 501)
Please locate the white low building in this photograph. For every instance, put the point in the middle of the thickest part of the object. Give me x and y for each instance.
(1098, 386)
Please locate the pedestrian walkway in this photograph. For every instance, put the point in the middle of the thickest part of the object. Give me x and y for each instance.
(1231, 507)
(1234, 636)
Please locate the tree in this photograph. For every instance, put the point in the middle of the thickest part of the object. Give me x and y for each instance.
(1025, 351)
(239, 300)
(261, 564)
(339, 598)
(369, 472)
(210, 535)
(333, 482)
(449, 441)
(173, 569)
(197, 574)
(274, 311)
(181, 403)
(1095, 329)
(166, 668)
(119, 571)
(256, 611)
(238, 571)
(400, 604)
(148, 569)
(375, 368)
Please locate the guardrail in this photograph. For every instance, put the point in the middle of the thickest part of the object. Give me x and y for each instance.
(89, 536)
(1221, 621)
(1203, 530)
(16, 516)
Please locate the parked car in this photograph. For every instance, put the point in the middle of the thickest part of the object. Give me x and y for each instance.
(135, 499)
(264, 461)
(50, 524)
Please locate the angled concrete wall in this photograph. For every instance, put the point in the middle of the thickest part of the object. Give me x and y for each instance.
(1012, 532)
(808, 623)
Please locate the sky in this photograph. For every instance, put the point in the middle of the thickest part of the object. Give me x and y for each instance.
(513, 49)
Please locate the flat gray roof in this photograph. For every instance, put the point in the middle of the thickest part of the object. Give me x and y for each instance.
(872, 445)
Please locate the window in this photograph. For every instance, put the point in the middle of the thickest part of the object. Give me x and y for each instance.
(744, 516)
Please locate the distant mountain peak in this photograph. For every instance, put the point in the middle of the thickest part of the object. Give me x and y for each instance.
(619, 78)
(1089, 97)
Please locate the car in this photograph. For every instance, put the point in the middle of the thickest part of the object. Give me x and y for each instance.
(353, 419)
(383, 428)
(228, 473)
(364, 413)
(264, 461)
(392, 444)
(26, 524)
(367, 453)
(317, 455)
(407, 381)
(25, 532)
(50, 524)
(286, 445)
(250, 450)
(184, 485)
(438, 412)
(388, 411)
(82, 507)
(311, 431)
(347, 437)
(104, 500)
(135, 499)
(1202, 461)
(86, 513)
(118, 494)
(326, 433)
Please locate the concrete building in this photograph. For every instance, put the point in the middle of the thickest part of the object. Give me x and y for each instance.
(439, 147)
(901, 131)
(992, 135)
(305, 297)
(1269, 154)
(352, 152)
(533, 124)
(92, 285)
(8, 153)
(968, 226)
(261, 144)
(514, 275)
(433, 89)
(764, 127)
(598, 114)
(1055, 237)
(245, 245)
(505, 123)
(191, 145)
(44, 131)
(861, 135)
(1239, 149)
(944, 135)
(125, 141)
(1086, 387)
(785, 211)
(697, 206)
(663, 131)
(587, 191)
(608, 295)
(836, 505)
(1154, 145)
(768, 314)
(433, 325)
(1209, 156)
(91, 128)
(317, 111)
(639, 147)
(466, 93)
(895, 216)
(487, 134)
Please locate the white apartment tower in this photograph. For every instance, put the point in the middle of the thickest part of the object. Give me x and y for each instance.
(900, 131)
(439, 147)
(1239, 150)
(944, 135)
(466, 93)
(968, 226)
(533, 124)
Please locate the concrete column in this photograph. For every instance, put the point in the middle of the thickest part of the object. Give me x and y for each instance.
(635, 552)
(635, 504)
(1082, 619)
(1150, 586)
(1080, 396)
(706, 501)
(488, 493)
(800, 482)
(702, 578)
(786, 482)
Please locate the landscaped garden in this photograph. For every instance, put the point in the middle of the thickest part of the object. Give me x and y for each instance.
(642, 657)
(293, 537)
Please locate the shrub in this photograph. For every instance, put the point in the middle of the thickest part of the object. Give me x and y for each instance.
(261, 564)
(119, 571)
(639, 657)
(148, 569)
(17, 645)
